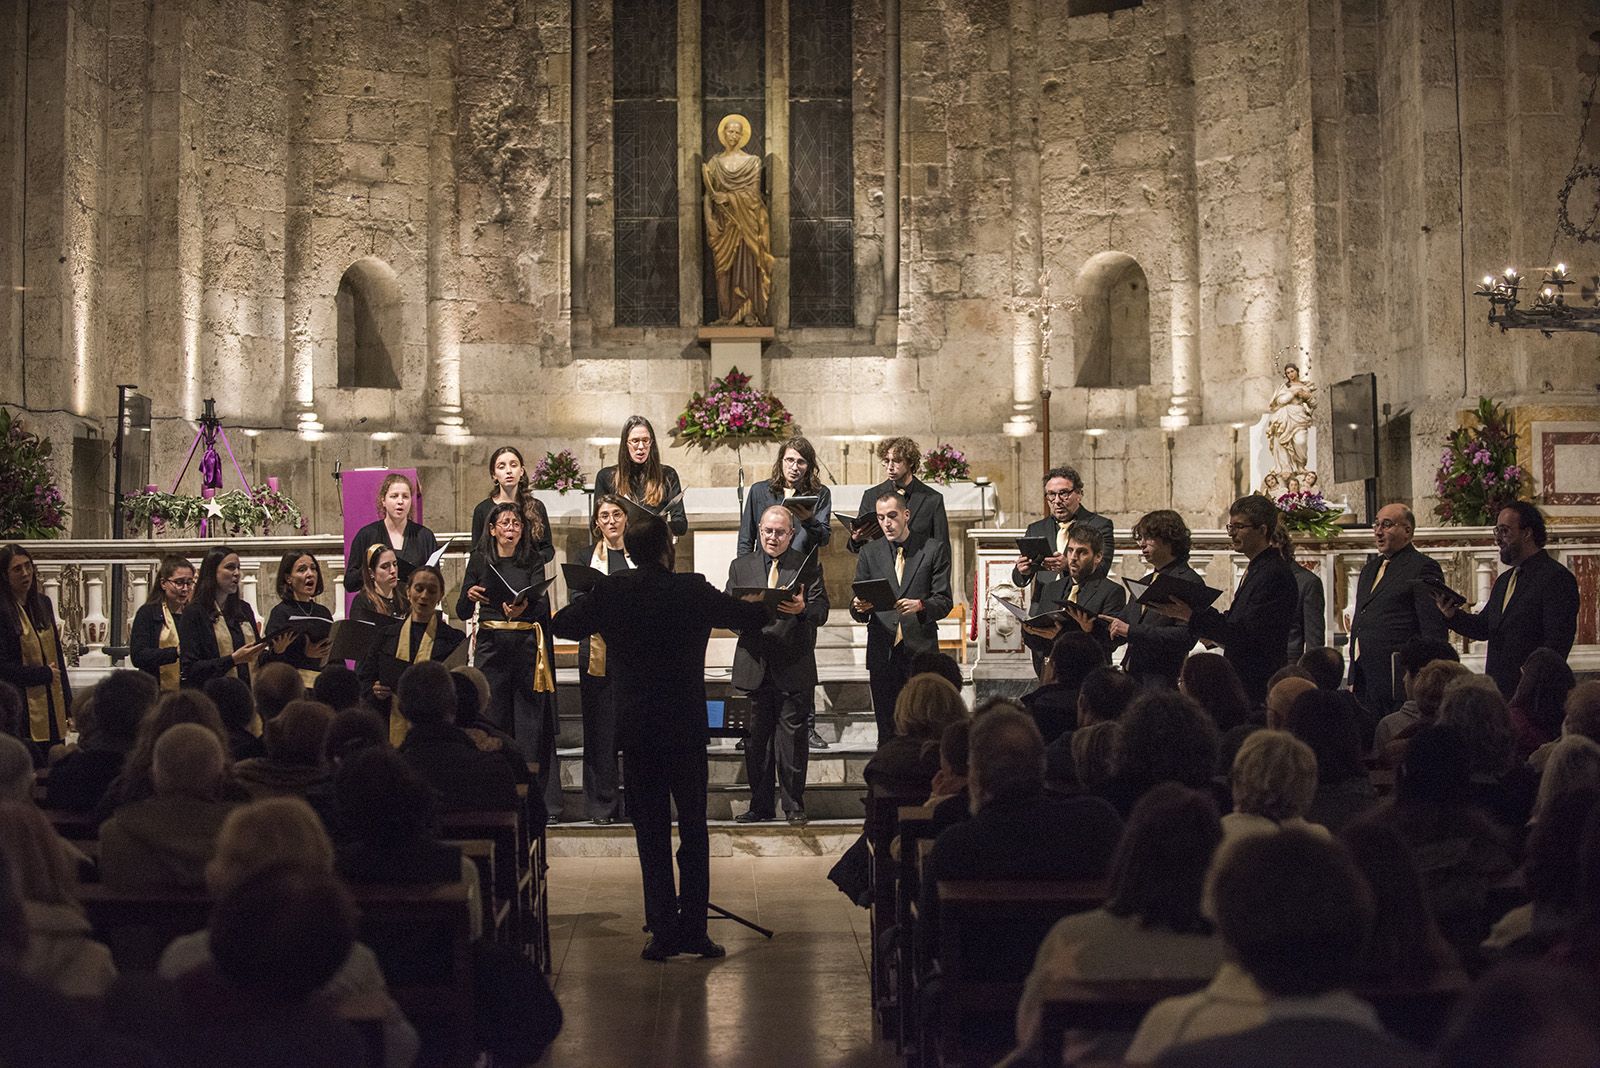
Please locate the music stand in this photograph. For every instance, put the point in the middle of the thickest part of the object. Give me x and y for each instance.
(729, 717)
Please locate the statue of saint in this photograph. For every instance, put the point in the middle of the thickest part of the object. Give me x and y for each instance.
(738, 228)
(1289, 423)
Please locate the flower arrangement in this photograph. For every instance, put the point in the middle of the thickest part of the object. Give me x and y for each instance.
(30, 504)
(240, 512)
(733, 414)
(1478, 470)
(557, 471)
(1308, 512)
(945, 464)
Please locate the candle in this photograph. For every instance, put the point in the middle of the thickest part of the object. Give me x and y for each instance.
(272, 483)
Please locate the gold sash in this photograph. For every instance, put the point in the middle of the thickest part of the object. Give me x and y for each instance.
(544, 680)
(597, 644)
(47, 704)
(169, 640)
(224, 636)
(398, 727)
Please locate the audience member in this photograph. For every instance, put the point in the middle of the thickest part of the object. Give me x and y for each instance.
(1282, 697)
(1582, 718)
(1015, 831)
(1096, 752)
(950, 783)
(164, 841)
(1329, 723)
(61, 954)
(352, 730)
(237, 707)
(1506, 792)
(16, 769)
(1054, 705)
(1209, 679)
(84, 773)
(1166, 737)
(1574, 764)
(1104, 696)
(1151, 926)
(1293, 911)
(942, 664)
(14, 714)
(1459, 850)
(1404, 946)
(293, 765)
(284, 832)
(905, 765)
(337, 687)
(135, 783)
(274, 688)
(1550, 874)
(1274, 778)
(1524, 1014)
(1325, 665)
(1539, 703)
(1414, 655)
(466, 779)
(485, 735)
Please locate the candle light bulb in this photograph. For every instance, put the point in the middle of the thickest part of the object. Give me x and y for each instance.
(1548, 292)
(1488, 280)
(1511, 272)
(1561, 268)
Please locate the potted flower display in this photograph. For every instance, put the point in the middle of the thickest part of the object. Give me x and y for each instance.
(1478, 470)
(945, 464)
(558, 471)
(30, 504)
(1309, 512)
(732, 414)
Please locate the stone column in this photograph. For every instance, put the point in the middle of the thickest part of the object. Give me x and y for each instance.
(1184, 250)
(444, 215)
(777, 154)
(691, 248)
(890, 310)
(578, 202)
(1027, 257)
(299, 253)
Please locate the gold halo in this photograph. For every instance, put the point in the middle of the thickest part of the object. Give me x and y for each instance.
(745, 140)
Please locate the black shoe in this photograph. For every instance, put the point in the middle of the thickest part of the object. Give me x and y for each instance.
(816, 741)
(702, 947)
(751, 816)
(603, 821)
(798, 818)
(659, 948)
(552, 820)
(739, 745)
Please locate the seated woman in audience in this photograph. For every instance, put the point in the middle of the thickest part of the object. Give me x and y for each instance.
(1539, 704)
(1054, 705)
(1274, 778)
(284, 832)
(337, 687)
(135, 783)
(351, 731)
(61, 954)
(16, 770)
(86, 771)
(1329, 723)
(164, 841)
(1581, 947)
(1427, 693)
(1166, 737)
(1404, 946)
(293, 764)
(1096, 751)
(1212, 681)
(1582, 718)
(1459, 850)
(1505, 791)
(236, 704)
(906, 764)
(1550, 875)
(1574, 763)
(1151, 926)
(1414, 655)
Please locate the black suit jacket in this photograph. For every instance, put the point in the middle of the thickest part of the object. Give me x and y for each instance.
(199, 659)
(1543, 613)
(656, 624)
(1049, 527)
(1252, 632)
(927, 511)
(1157, 644)
(926, 579)
(1386, 618)
(615, 562)
(1098, 595)
(784, 652)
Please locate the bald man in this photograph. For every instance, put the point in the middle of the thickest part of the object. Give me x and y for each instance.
(165, 841)
(1390, 609)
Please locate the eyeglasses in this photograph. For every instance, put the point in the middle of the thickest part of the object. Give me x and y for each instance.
(1060, 495)
(1386, 524)
(1234, 528)
(181, 583)
(1506, 532)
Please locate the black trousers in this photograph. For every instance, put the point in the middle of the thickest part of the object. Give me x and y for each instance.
(600, 776)
(656, 782)
(886, 683)
(779, 721)
(506, 658)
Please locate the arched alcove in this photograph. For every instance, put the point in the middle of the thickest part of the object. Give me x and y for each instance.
(369, 326)
(1112, 335)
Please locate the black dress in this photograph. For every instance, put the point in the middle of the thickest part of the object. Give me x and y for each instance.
(417, 545)
(445, 641)
(34, 681)
(543, 546)
(295, 656)
(199, 656)
(677, 519)
(600, 775)
(144, 641)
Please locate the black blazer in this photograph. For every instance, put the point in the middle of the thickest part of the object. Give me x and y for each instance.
(809, 534)
(1308, 629)
(677, 519)
(1098, 595)
(544, 548)
(1386, 618)
(417, 545)
(927, 511)
(1543, 613)
(445, 640)
(1049, 528)
(1252, 632)
(926, 578)
(615, 562)
(538, 609)
(656, 624)
(295, 656)
(784, 651)
(144, 640)
(1157, 644)
(199, 657)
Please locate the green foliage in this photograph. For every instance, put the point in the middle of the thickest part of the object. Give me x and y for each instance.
(30, 504)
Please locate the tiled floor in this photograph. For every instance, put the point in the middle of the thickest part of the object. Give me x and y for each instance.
(799, 999)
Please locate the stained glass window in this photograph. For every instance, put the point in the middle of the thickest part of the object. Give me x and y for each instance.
(645, 161)
(821, 174)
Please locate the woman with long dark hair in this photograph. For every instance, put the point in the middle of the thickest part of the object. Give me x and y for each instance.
(153, 639)
(607, 556)
(794, 474)
(515, 649)
(640, 475)
(299, 586)
(31, 655)
(394, 527)
(218, 634)
(382, 599)
(421, 635)
(510, 486)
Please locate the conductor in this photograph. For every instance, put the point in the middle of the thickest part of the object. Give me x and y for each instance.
(655, 624)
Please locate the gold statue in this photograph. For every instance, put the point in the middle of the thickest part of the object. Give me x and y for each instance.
(738, 228)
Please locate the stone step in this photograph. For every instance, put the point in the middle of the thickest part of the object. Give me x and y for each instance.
(820, 837)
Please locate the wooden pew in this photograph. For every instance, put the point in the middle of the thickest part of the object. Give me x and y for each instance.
(989, 931)
(916, 830)
(882, 820)
(504, 830)
(496, 913)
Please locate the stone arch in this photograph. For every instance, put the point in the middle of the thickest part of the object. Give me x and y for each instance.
(369, 326)
(1112, 326)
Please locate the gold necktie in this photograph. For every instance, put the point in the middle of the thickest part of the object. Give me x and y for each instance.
(1382, 567)
(1072, 594)
(772, 576)
(899, 573)
(1061, 540)
(1510, 586)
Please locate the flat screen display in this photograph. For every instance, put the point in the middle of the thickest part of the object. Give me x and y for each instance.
(1355, 428)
